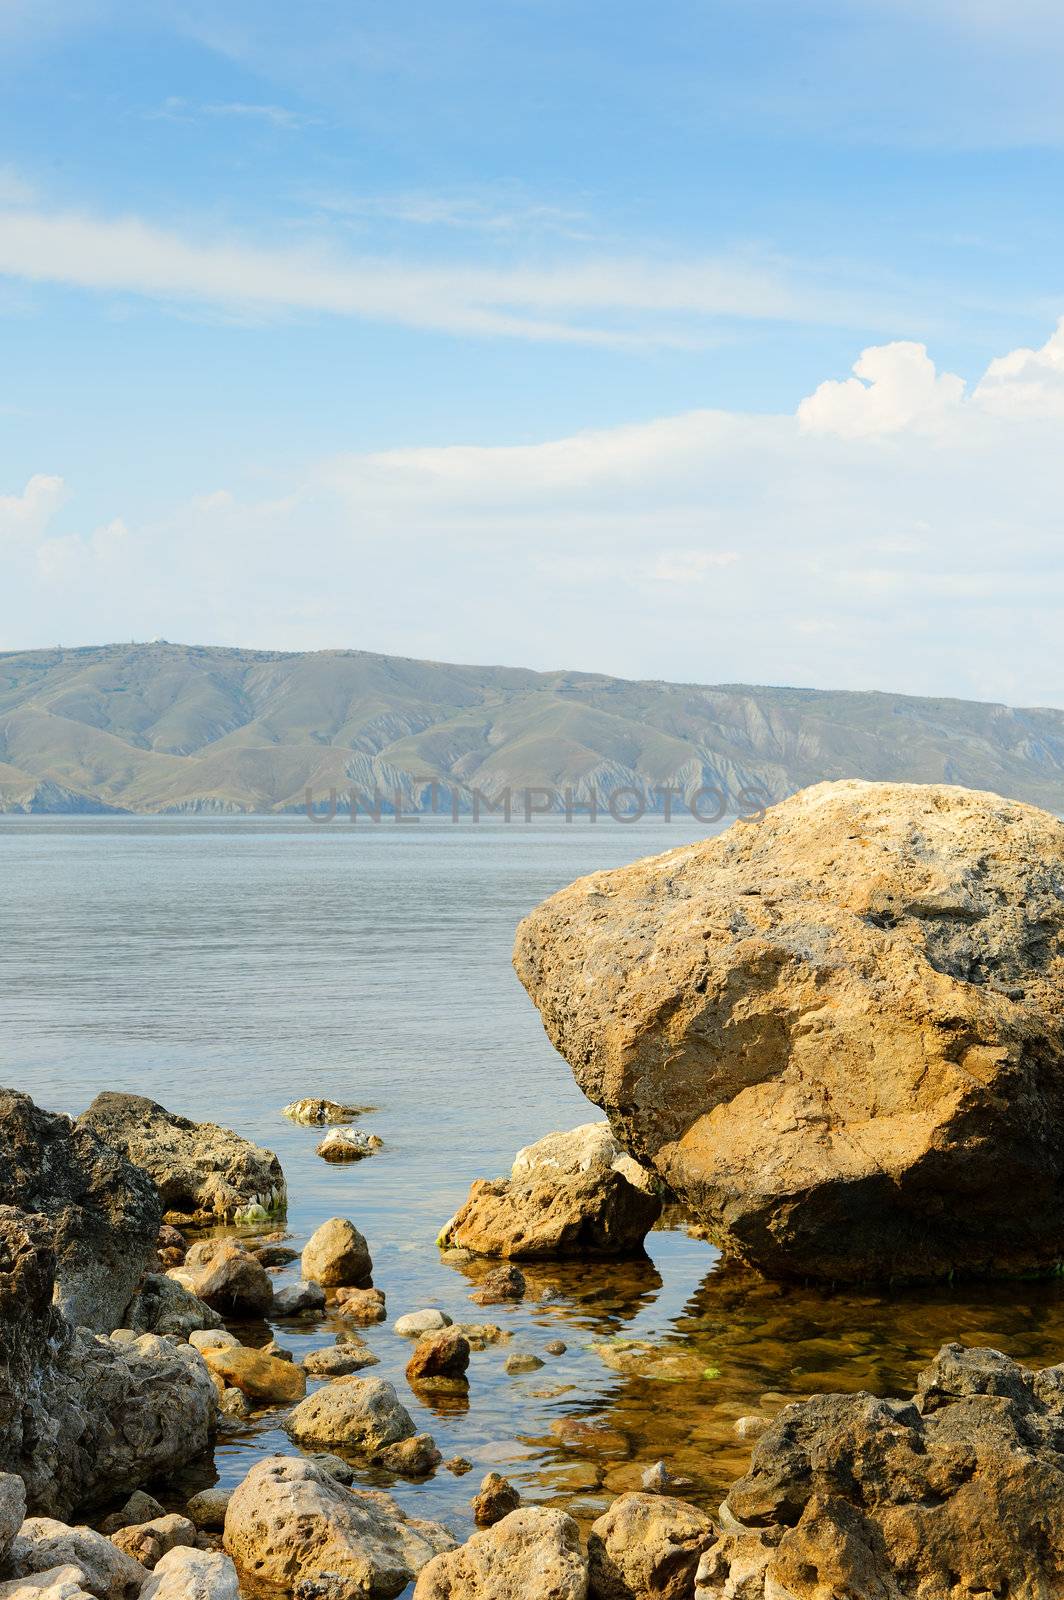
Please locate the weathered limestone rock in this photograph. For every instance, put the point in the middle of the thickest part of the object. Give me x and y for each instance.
(148, 1542)
(348, 1144)
(570, 1194)
(313, 1111)
(162, 1305)
(958, 1491)
(647, 1545)
(361, 1413)
(339, 1360)
(439, 1361)
(531, 1552)
(226, 1278)
(264, 1379)
(413, 1324)
(364, 1306)
(290, 1522)
(44, 1544)
(837, 1035)
(207, 1509)
(337, 1256)
(140, 1507)
(104, 1212)
(84, 1418)
(61, 1583)
(495, 1499)
(201, 1170)
(504, 1283)
(185, 1574)
(298, 1299)
(12, 1509)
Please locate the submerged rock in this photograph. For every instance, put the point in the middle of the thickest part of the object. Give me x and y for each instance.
(647, 1544)
(321, 1111)
(337, 1256)
(505, 1283)
(201, 1169)
(570, 1194)
(836, 1035)
(291, 1522)
(103, 1211)
(85, 1418)
(957, 1491)
(348, 1144)
(533, 1545)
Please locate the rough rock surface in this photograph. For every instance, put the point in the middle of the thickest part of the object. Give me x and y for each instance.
(298, 1299)
(362, 1413)
(12, 1509)
(148, 1542)
(647, 1545)
(837, 1035)
(43, 1544)
(348, 1144)
(337, 1256)
(290, 1521)
(264, 1379)
(958, 1492)
(226, 1278)
(61, 1583)
(185, 1574)
(414, 1324)
(201, 1170)
(339, 1360)
(361, 1305)
(162, 1305)
(439, 1361)
(570, 1194)
(534, 1552)
(316, 1112)
(84, 1418)
(499, 1286)
(104, 1212)
(495, 1499)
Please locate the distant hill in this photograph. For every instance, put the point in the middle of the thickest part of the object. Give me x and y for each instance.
(176, 728)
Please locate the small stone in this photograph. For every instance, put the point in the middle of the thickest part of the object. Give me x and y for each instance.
(557, 1347)
(140, 1507)
(495, 1499)
(275, 1255)
(338, 1360)
(657, 1479)
(337, 1256)
(505, 1283)
(277, 1351)
(148, 1542)
(298, 1299)
(341, 1470)
(414, 1458)
(234, 1403)
(481, 1334)
(361, 1305)
(415, 1323)
(207, 1509)
(439, 1361)
(311, 1111)
(348, 1144)
(751, 1427)
(522, 1361)
(459, 1466)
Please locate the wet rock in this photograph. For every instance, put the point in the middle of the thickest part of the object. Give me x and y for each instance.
(297, 1299)
(557, 1347)
(264, 1379)
(657, 1479)
(226, 1277)
(458, 1466)
(361, 1413)
(413, 1457)
(289, 1520)
(505, 1283)
(647, 1545)
(207, 1509)
(361, 1305)
(348, 1144)
(481, 1334)
(148, 1542)
(960, 1490)
(837, 1035)
(339, 1360)
(103, 1212)
(495, 1499)
(275, 1255)
(495, 1563)
(185, 1574)
(234, 1403)
(313, 1111)
(416, 1323)
(751, 1427)
(43, 1544)
(439, 1361)
(61, 1390)
(164, 1306)
(201, 1169)
(12, 1510)
(140, 1507)
(337, 1256)
(522, 1361)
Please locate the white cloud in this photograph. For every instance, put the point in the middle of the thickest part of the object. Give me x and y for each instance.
(690, 566)
(594, 301)
(896, 387)
(25, 516)
(1027, 383)
(67, 559)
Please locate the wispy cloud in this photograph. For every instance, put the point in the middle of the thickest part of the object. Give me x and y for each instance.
(471, 213)
(176, 109)
(588, 300)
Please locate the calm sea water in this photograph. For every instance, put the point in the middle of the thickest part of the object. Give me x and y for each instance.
(227, 967)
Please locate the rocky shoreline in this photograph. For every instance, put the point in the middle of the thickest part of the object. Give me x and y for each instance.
(140, 1255)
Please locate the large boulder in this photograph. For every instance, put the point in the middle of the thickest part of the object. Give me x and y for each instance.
(570, 1194)
(104, 1212)
(959, 1491)
(837, 1035)
(202, 1171)
(534, 1551)
(337, 1256)
(164, 1306)
(185, 1574)
(359, 1413)
(647, 1547)
(85, 1418)
(291, 1522)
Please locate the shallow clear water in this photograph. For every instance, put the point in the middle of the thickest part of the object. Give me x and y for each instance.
(228, 967)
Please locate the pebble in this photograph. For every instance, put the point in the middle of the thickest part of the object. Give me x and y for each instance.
(751, 1427)
(207, 1509)
(415, 1323)
(522, 1361)
(459, 1466)
(657, 1479)
(557, 1347)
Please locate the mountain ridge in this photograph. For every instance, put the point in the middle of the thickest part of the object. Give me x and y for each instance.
(168, 728)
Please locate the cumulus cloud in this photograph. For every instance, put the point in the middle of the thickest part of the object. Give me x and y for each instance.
(1026, 383)
(24, 516)
(896, 386)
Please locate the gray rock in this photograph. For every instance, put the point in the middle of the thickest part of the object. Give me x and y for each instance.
(140, 1507)
(61, 1583)
(103, 1211)
(164, 1306)
(522, 1361)
(201, 1169)
(207, 1509)
(296, 1298)
(339, 1360)
(43, 1544)
(185, 1574)
(12, 1509)
(415, 1323)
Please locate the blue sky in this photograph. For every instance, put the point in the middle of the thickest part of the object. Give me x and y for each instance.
(483, 331)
